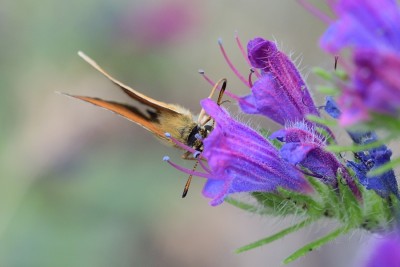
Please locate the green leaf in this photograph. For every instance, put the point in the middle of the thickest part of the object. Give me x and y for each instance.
(384, 121)
(276, 236)
(316, 244)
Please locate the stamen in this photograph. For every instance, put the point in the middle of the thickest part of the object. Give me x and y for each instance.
(202, 72)
(244, 54)
(198, 137)
(230, 64)
(314, 11)
(180, 144)
(185, 170)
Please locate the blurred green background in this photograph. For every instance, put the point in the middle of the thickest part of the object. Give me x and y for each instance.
(82, 187)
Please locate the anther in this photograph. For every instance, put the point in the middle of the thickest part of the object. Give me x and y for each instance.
(203, 73)
(196, 154)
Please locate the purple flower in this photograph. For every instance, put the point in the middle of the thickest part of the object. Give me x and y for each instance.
(280, 93)
(371, 29)
(241, 160)
(304, 147)
(386, 252)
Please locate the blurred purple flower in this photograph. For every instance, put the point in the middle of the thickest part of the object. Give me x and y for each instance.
(159, 24)
(306, 148)
(280, 93)
(372, 30)
(385, 253)
(241, 160)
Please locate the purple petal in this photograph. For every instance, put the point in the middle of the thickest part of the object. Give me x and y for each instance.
(280, 93)
(368, 24)
(378, 80)
(386, 252)
(244, 160)
(305, 147)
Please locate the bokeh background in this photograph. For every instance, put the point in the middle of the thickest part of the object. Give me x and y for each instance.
(80, 186)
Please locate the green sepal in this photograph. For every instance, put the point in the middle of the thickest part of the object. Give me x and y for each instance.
(322, 73)
(328, 90)
(377, 212)
(352, 215)
(266, 134)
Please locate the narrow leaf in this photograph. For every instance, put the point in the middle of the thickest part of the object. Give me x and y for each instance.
(322, 121)
(316, 244)
(276, 236)
(384, 168)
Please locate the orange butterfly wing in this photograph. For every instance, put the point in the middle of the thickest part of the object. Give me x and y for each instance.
(159, 119)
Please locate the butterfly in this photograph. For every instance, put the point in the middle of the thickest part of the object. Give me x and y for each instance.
(158, 117)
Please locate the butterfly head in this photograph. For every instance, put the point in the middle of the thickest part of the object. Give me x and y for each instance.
(197, 135)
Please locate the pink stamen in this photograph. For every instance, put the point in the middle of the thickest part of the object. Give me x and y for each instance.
(180, 144)
(228, 93)
(231, 65)
(314, 11)
(185, 170)
(204, 166)
(239, 43)
(202, 72)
